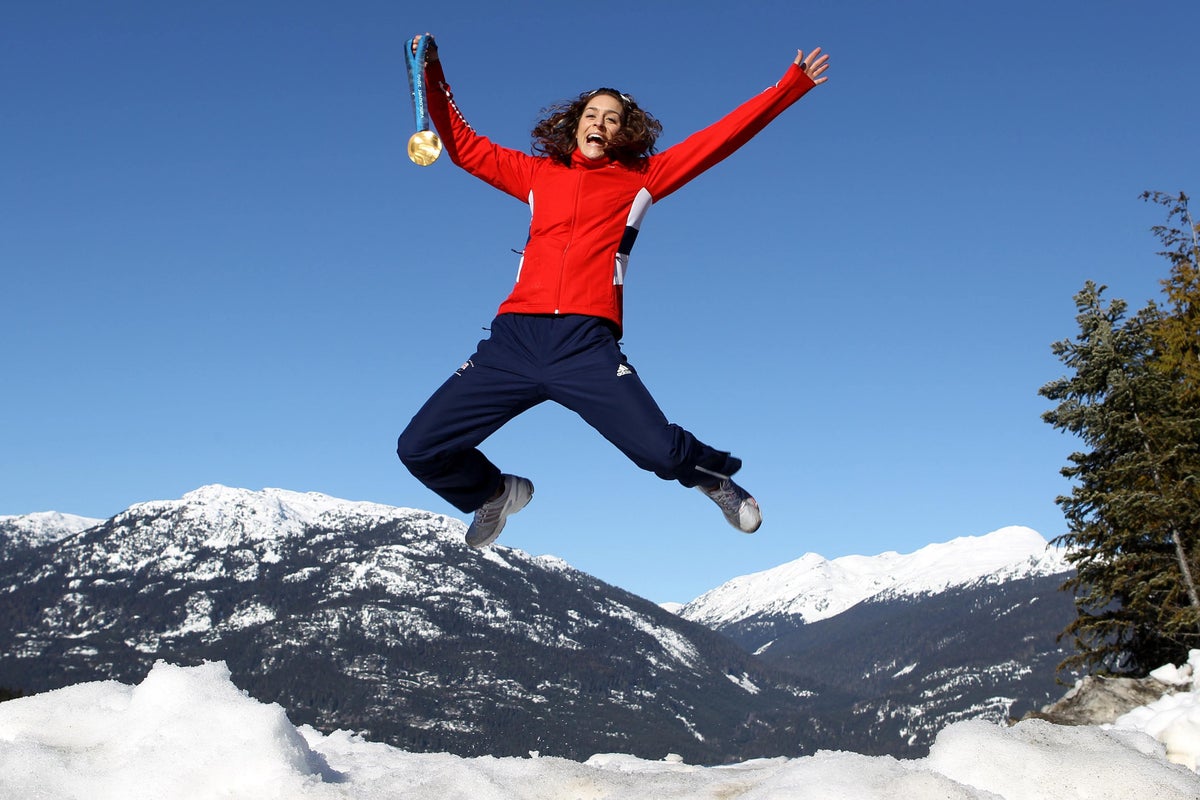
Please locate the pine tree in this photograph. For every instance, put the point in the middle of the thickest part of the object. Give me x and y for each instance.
(1134, 509)
(1178, 333)
(1176, 341)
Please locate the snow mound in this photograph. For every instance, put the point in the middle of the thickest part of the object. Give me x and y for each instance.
(1173, 719)
(181, 733)
(189, 733)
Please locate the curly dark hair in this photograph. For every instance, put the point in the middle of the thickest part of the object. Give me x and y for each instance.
(554, 136)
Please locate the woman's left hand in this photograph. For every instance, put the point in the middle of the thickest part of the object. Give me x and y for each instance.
(815, 64)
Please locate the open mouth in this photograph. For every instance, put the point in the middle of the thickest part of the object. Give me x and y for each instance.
(595, 138)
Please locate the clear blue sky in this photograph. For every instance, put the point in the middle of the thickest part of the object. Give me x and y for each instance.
(219, 265)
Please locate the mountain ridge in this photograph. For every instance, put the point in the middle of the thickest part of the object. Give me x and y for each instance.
(810, 586)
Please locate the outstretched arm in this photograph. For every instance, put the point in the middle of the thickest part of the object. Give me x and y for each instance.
(675, 166)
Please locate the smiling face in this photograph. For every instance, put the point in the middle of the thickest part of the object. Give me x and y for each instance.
(601, 119)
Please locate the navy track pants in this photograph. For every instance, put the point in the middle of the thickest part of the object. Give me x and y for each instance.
(573, 360)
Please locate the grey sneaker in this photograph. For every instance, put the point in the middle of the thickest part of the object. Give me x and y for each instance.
(736, 503)
(489, 519)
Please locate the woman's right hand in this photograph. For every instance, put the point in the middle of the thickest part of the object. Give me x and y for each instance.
(430, 49)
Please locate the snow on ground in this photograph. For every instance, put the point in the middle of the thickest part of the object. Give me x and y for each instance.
(190, 734)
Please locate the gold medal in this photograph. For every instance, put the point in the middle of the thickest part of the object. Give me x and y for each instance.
(424, 147)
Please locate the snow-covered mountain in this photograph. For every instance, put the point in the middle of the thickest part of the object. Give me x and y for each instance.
(379, 619)
(19, 533)
(813, 588)
(909, 643)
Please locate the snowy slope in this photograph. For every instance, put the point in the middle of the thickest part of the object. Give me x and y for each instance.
(813, 588)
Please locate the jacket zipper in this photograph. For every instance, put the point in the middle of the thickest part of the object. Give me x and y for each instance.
(562, 266)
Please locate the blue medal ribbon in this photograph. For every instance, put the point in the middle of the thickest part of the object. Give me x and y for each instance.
(423, 146)
(416, 80)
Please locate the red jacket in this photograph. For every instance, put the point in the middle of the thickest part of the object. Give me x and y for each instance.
(586, 216)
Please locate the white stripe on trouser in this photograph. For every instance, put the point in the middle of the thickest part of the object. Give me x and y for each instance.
(699, 468)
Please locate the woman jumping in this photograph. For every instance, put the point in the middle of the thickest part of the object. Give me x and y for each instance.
(593, 176)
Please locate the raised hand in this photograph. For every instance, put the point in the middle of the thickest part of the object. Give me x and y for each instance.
(815, 64)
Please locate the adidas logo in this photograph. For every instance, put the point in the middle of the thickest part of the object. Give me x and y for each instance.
(623, 369)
